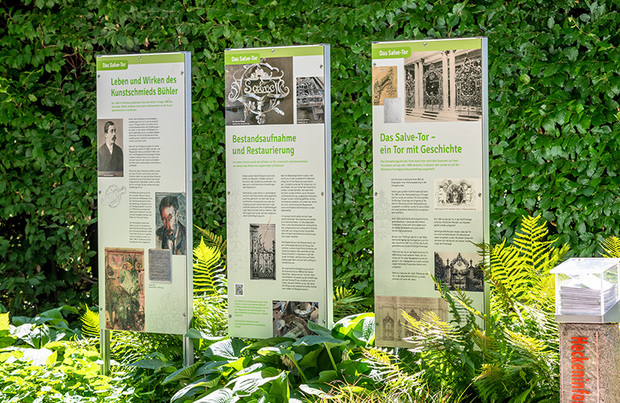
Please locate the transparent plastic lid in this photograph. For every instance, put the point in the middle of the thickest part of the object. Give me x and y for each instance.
(589, 265)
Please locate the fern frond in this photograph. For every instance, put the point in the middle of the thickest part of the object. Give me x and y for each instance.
(520, 272)
(90, 323)
(445, 294)
(531, 231)
(209, 269)
(430, 332)
(213, 240)
(531, 241)
(488, 344)
(503, 277)
(530, 346)
(211, 314)
(492, 380)
(378, 356)
(611, 247)
(383, 363)
(468, 303)
(396, 375)
(346, 301)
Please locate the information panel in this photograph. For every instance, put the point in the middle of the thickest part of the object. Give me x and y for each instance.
(430, 177)
(144, 192)
(278, 185)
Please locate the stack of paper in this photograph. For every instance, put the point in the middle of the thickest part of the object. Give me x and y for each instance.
(582, 296)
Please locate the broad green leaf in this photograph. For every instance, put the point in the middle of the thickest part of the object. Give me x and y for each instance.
(182, 374)
(312, 340)
(327, 376)
(272, 341)
(223, 395)
(319, 330)
(315, 389)
(150, 363)
(228, 349)
(192, 389)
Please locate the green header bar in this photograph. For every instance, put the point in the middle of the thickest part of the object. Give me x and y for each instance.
(390, 50)
(121, 62)
(253, 55)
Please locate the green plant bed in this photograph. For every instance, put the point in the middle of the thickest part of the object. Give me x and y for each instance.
(512, 358)
(42, 360)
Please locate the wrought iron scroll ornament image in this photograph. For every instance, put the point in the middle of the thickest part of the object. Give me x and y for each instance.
(262, 89)
(262, 252)
(444, 86)
(310, 100)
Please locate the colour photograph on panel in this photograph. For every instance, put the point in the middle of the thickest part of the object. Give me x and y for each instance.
(290, 318)
(124, 289)
(170, 222)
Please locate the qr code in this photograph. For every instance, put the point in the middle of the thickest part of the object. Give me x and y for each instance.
(239, 290)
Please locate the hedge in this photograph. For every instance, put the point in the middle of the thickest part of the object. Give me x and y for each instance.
(554, 117)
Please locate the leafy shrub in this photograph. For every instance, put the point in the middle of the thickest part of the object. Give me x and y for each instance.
(516, 358)
(41, 362)
(278, 369)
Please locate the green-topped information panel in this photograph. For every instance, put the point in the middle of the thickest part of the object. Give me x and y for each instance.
(430, 178)
(278, 186)
(144, 192)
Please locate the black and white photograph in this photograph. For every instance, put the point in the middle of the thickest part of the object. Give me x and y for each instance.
(459, 270)
(170, 222)
(457, 194)
(444, 86)
(390, 325)
(290, 318)
(262, 251)
(310, 100)
(384, 84)
(260, 93)
(110, 147)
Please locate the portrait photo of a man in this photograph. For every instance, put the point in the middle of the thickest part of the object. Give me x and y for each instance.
(170, 233)
(110, 153)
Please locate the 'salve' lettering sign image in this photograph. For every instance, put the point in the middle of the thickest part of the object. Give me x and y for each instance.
(278, 186)
(430, 177)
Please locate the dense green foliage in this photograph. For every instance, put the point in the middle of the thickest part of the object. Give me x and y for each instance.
(515, 357)
(39, 363)
(554, 120)
(46, 359)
